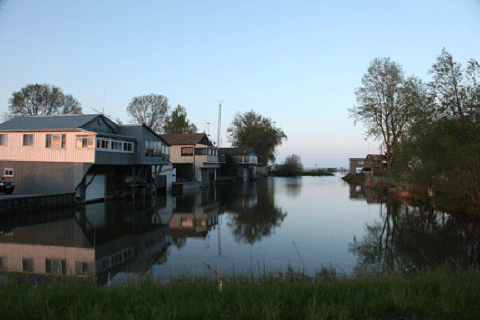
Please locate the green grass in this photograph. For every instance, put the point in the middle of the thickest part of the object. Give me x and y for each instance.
(350, 178)
(318, 173)
(444, 293)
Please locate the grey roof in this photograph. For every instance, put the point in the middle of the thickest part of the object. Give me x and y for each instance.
(48, 122)
(237, 151)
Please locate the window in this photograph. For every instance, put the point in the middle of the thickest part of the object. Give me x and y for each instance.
(149, 147)
(55, 141)
(8, 172)
(200, 151)
(27, 265)
(158, 149)
(55, 266)
(117, 145)
(103, 144)
(186, 222)
(28, 140)
(112, 144)
(127, 146)
(83, 267)
(3, 139)
(3, 263)
(187, 151)
(84, 142)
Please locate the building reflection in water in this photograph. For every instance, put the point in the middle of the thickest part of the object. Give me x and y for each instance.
(195, 215)
(360, 192)
(98, 240)
(413, 239)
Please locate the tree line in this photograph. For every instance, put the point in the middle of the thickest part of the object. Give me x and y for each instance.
(430, 130)
(248, 129)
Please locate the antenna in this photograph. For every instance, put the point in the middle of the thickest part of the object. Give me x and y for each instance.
(219, 142)
(104, 97)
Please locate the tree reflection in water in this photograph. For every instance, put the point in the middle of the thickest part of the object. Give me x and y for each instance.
(293, 186)
(252, 211)
(412, 239)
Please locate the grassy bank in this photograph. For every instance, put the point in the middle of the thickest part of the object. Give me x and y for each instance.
(350, 178)
(444, 293)
(319, 172)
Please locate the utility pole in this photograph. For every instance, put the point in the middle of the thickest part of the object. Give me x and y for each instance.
(219, 142)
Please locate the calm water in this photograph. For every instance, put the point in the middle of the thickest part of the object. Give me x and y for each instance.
(267, 225)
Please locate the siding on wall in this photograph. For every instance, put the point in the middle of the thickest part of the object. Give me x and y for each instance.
(45, 177)
(176, 154)
(15, 151)
(143, 134)
(99, 125)
(114, 158)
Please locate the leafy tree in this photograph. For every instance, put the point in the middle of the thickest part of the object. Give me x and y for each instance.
(441, 147)
(230, 167)
(177, 123)
(291, 167)
(455, 95)
(42, 99)
(252, 130)
(150, 110)
(387, 103)
(445, 153)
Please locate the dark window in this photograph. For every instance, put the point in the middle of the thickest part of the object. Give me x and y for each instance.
(187, 151)
(55, 266)
(127, 146)
(28, 139)
(27, 265)
(200, 151)
(8, 172)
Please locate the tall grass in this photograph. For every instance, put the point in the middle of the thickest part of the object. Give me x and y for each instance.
(443, 293)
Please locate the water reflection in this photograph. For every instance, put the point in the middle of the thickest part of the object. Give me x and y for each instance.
(196, 215)
(248, 221)
(360, 192)
(252, 212)
(415, 238)
(293, 186)
(97, 240)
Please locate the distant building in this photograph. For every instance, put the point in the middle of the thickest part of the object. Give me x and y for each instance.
(195, 149)
(246, 158)
(372, 162)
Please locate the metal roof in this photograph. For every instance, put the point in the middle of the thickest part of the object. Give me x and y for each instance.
(238, 151)
(70, 121)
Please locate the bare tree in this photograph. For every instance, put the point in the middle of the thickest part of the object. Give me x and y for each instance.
(150, 110)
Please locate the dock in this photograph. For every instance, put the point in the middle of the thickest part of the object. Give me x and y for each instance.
(16, 203)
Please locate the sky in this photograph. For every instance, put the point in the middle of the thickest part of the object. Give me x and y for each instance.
(295, 62)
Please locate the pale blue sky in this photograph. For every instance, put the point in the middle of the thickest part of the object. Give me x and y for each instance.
(297, 62)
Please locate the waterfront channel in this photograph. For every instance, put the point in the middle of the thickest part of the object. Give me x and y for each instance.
(258, 227)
